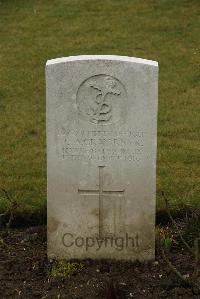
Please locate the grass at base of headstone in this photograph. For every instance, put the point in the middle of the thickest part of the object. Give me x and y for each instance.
(64, 268)
(33, 31)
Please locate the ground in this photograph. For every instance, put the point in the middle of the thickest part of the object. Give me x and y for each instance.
(25, 271)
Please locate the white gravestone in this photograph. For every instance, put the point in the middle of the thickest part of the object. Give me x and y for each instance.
(101, 157)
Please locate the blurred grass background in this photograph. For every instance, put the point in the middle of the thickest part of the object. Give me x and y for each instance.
(32, 31)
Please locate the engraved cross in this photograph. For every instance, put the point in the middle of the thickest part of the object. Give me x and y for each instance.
(101, 193)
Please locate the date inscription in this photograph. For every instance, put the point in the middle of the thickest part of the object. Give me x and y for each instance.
(108, 145)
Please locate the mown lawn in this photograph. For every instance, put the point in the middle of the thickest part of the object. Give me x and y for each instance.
(32, 31)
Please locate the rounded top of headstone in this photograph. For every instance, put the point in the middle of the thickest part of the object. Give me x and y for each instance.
(102, 57)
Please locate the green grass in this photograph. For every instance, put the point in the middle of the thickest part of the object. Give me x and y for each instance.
(32, 31)
(64, 268)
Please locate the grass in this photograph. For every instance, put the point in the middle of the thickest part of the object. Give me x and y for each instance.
(32, 31)
(63, 268)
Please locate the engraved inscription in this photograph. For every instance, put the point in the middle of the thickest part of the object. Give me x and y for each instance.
(101, 194)
(106, 145)
(101, 99)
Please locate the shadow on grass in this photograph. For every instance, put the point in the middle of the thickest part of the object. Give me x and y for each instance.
(25, 217)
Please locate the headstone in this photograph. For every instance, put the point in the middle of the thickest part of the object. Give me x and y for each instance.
(101, 157)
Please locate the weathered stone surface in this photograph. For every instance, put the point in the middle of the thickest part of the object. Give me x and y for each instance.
(101, 157)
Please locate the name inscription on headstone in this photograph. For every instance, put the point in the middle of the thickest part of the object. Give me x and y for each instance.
(102, 145)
